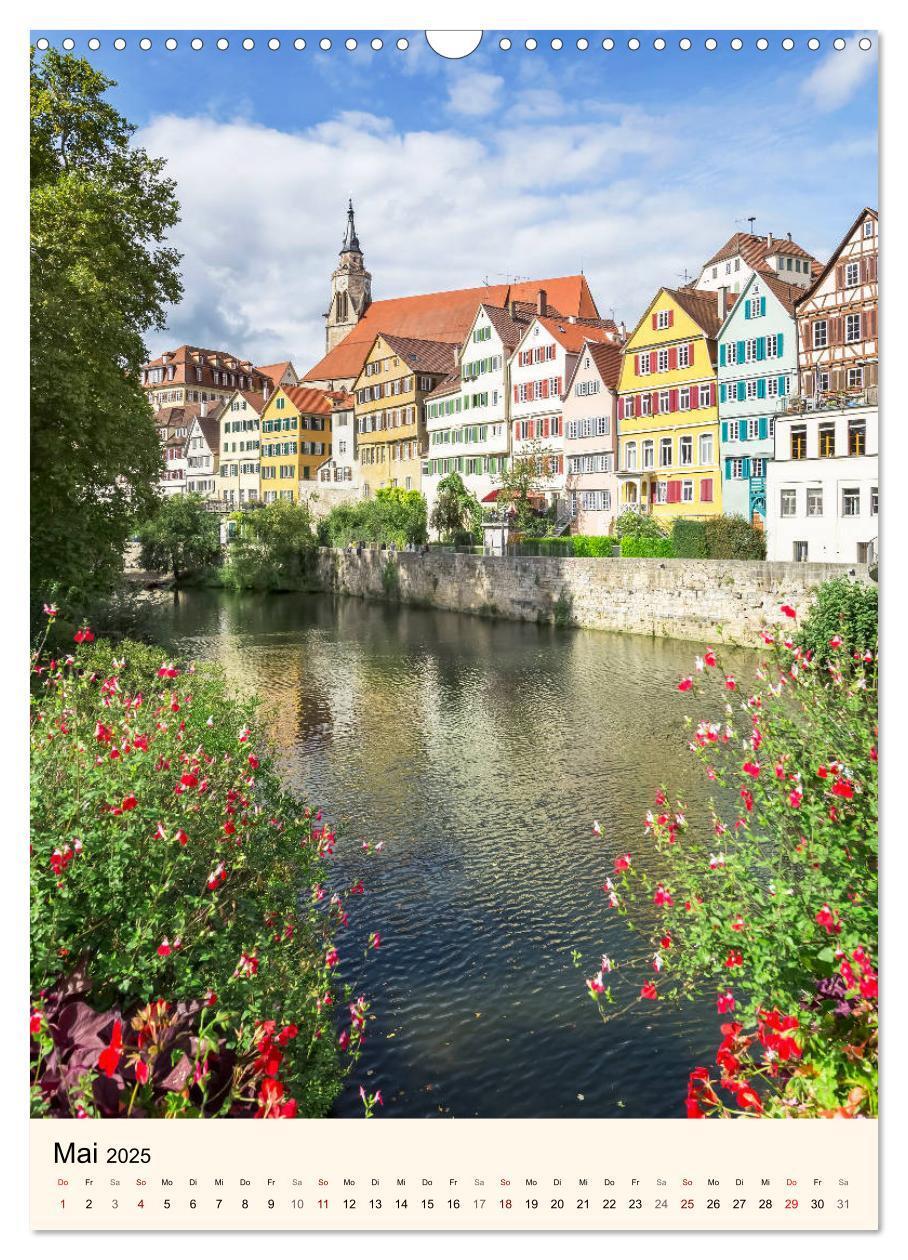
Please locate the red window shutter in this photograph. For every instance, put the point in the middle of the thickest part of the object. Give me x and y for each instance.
(694, 397)
(673, 494)
(871, 322)
(544, 393)
(515, 393)
(638, 404)
(672, 358)
(690, 353)
(654, 404)
(636, 365)
(655, 321)
(871, 267)
(671, 318)
(557, 384)
(673, 400)
(840, 276)
(706, 490)
(806, 342)
(712, 393)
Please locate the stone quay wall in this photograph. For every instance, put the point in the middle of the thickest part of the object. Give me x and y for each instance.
(701, 600)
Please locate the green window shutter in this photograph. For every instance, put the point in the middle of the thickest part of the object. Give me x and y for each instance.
(761, 347)
(782, 386)
(780, 344)
(722, 354)
(761, 388)
(741, 391)
(724, 428)
(746, 468)
(764, 428)
(762, 305)
(742, 348)
(722, 392)
(742, 430)
(747, 310)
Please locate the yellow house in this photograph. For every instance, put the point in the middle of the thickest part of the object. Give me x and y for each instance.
(295, 439)
(390, 421)
(668, 418)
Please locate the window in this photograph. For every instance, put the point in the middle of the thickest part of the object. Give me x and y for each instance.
(851, 502)
(820, 334)
(664, 401)
(704, 395)
(868, 227)
(630, 455)
(736, 468)
(857, 437)
(814, 500)
(874, 501)
(661, 491)
(798, 441)
(788, 503)
(684, 355)
(687, 492)
(665, 452)
(649, 455)
(753, 429)
(822, 382)
(855, 378)
(758, 467)
(684, 399)
(800, 552)
(772, 346)
(755, 305)
(661, 360)
(852, 328)
(662, 319)
(852, 275)
(827, 440)
(686, 448)
(705, 445)
(751, 390)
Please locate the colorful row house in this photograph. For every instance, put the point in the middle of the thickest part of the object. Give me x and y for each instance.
(543, 360)
(295, 440)
(668, 408)
(203, 451)
(590, 420)
(239, 470)
(758, 366)
(390, 392)
(467, 414)
(823, 483)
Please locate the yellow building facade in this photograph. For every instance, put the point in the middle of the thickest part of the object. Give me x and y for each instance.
(295, 440)
(388, 412)
(668, 417)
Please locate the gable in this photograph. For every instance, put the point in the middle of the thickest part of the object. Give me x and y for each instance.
(680, 324)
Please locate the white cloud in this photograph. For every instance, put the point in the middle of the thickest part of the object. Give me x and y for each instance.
(629, 196)
(839, 75)
(474, 93)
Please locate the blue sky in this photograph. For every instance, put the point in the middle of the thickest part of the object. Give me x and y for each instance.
(632, 166)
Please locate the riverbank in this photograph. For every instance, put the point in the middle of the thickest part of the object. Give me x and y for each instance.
(697, 600)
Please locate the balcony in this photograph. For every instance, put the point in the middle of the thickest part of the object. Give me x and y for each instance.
(829, 400)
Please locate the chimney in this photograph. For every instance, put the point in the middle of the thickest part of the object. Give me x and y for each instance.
(512, 307)
(623, 331)
(723, 300)
(541, 299)
(789, 236)
(203, 407)
(768, 241)
(165, 357)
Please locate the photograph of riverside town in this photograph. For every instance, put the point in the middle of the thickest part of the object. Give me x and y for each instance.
(454, 560)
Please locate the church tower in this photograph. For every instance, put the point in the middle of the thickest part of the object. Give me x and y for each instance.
(351, 288)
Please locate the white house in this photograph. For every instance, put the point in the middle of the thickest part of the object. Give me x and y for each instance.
(239, 478)
(203, 444)
(744, 253)
(822, 494)
(590, 417)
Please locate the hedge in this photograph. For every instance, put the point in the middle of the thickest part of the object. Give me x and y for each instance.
(641, 547)
(689, 539)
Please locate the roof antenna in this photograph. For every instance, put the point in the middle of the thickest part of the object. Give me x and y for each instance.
(751, 219)
(682, 275)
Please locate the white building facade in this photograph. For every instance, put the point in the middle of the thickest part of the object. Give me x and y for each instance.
(590, 418)
(202, 453)
(239, 473)
(823, 487)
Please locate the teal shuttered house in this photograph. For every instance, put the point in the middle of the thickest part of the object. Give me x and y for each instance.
(758, 371)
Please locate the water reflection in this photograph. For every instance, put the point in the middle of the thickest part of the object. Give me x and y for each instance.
(479, 752)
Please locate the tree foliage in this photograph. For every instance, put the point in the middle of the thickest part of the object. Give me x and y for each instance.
(522, 482)
(391, 515)
(456, 513)
(844, 616)
(272, 547)
(182, 536)
(101, 276)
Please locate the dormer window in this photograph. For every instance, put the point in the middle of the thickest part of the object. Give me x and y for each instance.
(868, 227)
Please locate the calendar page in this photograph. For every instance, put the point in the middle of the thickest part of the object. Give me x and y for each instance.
(454, 601)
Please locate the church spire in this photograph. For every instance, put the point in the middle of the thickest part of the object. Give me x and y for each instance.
(351, 241)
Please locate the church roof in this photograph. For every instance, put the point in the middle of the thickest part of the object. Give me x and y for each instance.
(445, 317)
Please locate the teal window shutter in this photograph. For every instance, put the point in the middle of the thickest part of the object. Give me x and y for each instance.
(728, 470)
(747, 310)
(746, 469)
(722, 393)
(742, 430)
(780, 345)
(762, 305)
(764, 428)
(761, 347)
(782, 386)
(741, 391)
(724, 428)
(761, 388)
(741, 351)
(722, 354)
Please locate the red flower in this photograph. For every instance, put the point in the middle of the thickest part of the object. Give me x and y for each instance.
(747, 799)
(623, 863)
(725, 1002)
(788, 611)
(141, 1071)
(649, 991)
(128, 803)
(164, 948)
(752, 768)
(109, 1058)
(709, 657)
(794, 798)
(828, 919)
(84, 636)
(253, 761)
(685, 684)
(182, 837)
(844, 789)
(730, 683)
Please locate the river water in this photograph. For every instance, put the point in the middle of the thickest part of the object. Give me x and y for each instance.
(479, 752)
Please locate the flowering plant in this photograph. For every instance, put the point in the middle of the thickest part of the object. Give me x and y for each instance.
(770, 903)
(183, 951)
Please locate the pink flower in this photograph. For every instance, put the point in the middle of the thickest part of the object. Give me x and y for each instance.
(164, 948)
(730, 683)
(725, 1002)
(50, 610)
(597, 830)
(623, 863)
(836, 641)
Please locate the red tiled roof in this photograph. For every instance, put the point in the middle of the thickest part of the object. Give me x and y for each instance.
(702, 306)
(444, 317)
(253, 399)
(756, 249)
(308, 401)
(608, 359)
(788, 294)
(573, 336)
(186, 358)
(425, 356)
(450, 385)
(275, 371)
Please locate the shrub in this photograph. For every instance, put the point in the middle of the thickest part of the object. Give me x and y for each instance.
(176, 884)
(182, 537)
(392, 515)
(642, 546)
(638, 525)
(734, 538)
(593, 545)
(842, 610)
(768, 903)
(272, 549)
(689, 539)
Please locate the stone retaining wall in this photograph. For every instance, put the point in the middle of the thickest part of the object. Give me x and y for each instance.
(715, 600)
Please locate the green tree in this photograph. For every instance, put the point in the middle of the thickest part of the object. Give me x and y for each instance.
(101, 276)
(523, 481)
(456, 511)
(841, 610)
(272, 547)
(403, 514)
(181, 537)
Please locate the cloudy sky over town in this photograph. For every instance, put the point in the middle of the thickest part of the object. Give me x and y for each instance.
(629, 166)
